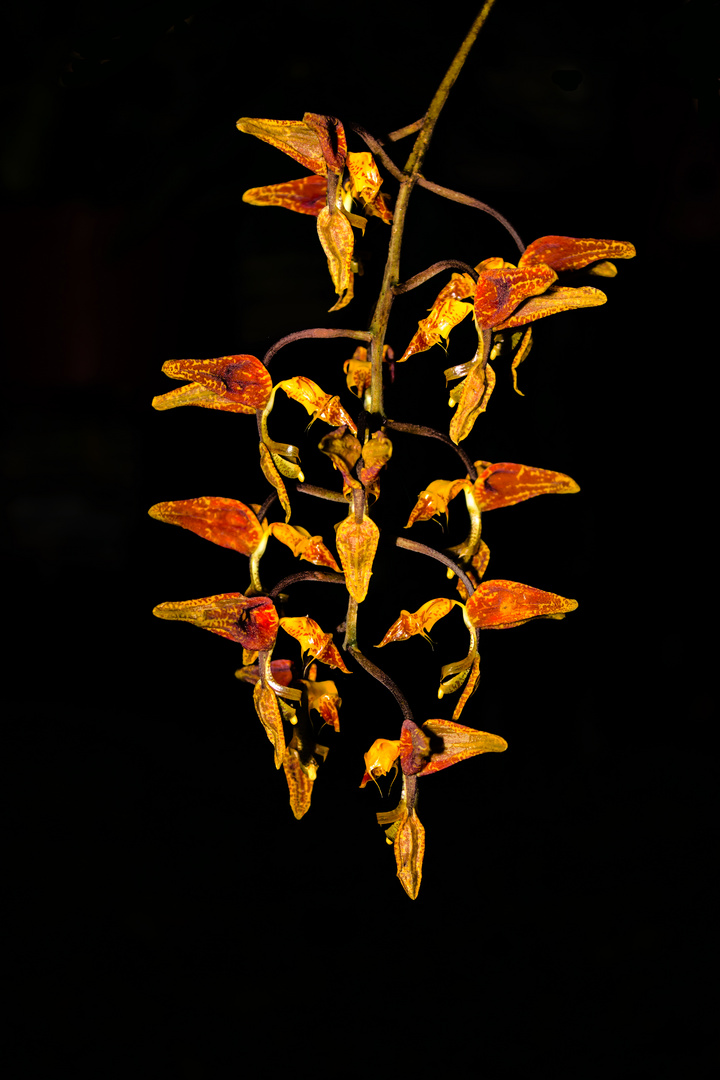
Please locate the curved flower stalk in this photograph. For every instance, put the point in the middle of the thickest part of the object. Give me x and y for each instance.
(504, 297)
(299, 712)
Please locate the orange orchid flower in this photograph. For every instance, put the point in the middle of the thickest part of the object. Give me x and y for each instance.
(238, 383)
(418, 622)
(420, 751)
(314, 640)
(494, 605)
(318, 142)
(250, 620)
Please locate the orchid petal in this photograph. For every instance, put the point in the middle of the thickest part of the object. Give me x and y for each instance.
(505, 484)
(272, 475)
(250, 620)
(226, 522)
(308, 195)
(314, 640)
(500, 604)
(331, 137)
(318, 404)
(409, 847)
(459, 743)
(303, 545)
(434, 499)
(472, 397)
(418, 622)
(445, 314)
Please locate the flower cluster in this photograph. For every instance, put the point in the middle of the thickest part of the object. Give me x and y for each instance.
(298, 710)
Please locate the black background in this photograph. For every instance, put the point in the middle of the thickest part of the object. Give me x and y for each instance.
(168, 903)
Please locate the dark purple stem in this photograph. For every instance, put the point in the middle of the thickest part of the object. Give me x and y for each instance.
(382, 677)
(436, 268)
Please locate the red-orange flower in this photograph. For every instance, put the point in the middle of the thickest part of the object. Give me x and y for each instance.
(250, 620)
(420, 751)
(318, 142)
(238, 383)
(507, 296)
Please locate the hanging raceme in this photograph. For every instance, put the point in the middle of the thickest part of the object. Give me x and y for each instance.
(298, 709)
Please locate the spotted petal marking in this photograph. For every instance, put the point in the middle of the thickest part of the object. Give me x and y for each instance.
(500, 604)
(226, 522)
(250, 620)
(308, 195)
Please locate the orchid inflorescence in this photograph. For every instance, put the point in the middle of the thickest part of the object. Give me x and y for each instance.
(503, 300)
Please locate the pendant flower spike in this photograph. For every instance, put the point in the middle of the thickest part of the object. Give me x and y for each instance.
(340, 177)
(341, 189)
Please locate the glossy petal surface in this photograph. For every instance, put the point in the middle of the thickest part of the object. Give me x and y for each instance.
(459, 744)
(506, 483)
(266, 706)
(239, 379)
(498, 292)
(356, 544)
(314, 640)
(500, 604)
(418, 622)
(559, 298)
(304, 546)
(272, 475)
(226, 522)
(409, 847)
(250, 620)
(336, 237)
(293, 137)
(472, 396)
(307, 195)
(434, 499)
(318, 404)
(572, 253)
